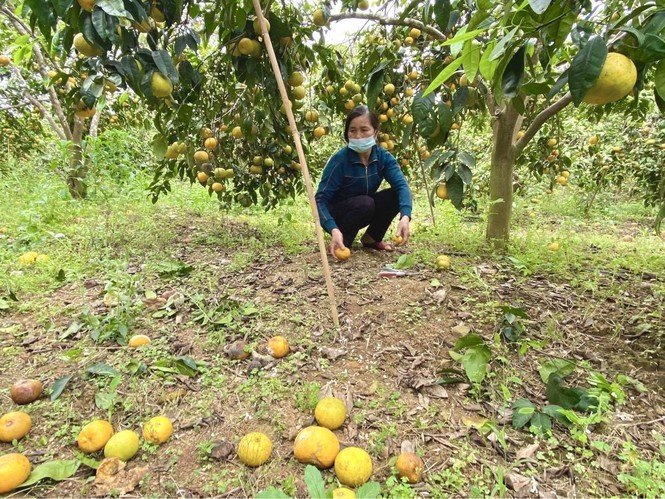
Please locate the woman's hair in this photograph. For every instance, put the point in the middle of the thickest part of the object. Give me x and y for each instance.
(360, 111)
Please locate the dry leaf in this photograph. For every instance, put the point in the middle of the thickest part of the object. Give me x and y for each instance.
(332, 353)
(221, 450)
(528, 451)
(436, 391)
(440, 295)
(516, 481)
(112, 477)
(474, 421)
(461, 329)
(407, 446)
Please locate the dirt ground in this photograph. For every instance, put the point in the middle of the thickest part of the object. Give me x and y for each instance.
(385, 360)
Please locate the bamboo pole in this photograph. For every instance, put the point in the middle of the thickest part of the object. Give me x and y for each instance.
(301, 157)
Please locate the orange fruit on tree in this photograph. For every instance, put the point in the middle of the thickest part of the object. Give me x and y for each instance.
(14, 470)
(210, 143)
(319, 132)
(316, 445)
(5, 61)
(353, 466)
(94, 436)
(201, 156)
(254, 449)
(278, 346)
(410, 466)
(217, 187)
(617, 78)
(138, 340)
(158, 430)
(442, 191)
(330, 412)
(83, 47)
(160, 85)
(14, 426)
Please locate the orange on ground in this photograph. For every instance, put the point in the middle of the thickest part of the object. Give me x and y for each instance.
(316, 445)
(94, 436)
(278, 346)
(254, 449)
(14, 426)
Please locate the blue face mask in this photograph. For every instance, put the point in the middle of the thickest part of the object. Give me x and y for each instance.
(362, 145)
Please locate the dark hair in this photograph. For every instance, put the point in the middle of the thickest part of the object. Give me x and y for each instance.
(360, 111)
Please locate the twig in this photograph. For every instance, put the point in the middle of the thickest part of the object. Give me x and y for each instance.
(653, 421)
(392, 21)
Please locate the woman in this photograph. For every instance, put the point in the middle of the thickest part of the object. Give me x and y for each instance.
(347, 197)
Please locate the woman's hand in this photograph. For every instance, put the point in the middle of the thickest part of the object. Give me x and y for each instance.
(403, 229)
(337, 241)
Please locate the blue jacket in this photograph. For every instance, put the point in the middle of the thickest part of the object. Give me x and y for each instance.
(346, 176)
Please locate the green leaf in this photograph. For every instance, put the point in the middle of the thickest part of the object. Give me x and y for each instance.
(559, 395)
(562, 367)
(455, 187)
(557, 413)
(468, 340)
(539, 6)
(271, 493)
(186, 365)
(55, 470)
(486, 66)
(513, 76)
(421, 107)
(462, 37)
(585, 68)
(447, 72)
(113, 7)
(165, 65)
(102, 369)
(369, 490)
(500, 48)
(59, 386)
(375, 82)
(314, 482)
(442, 14)
(659, 77)
(541, 423)
(475, 362)
(87, 460)
(405, 261)
(523, 410)
(471, 59)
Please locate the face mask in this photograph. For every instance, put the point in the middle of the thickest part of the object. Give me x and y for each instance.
(362, 145)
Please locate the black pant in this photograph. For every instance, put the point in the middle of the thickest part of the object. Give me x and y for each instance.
(374, 210)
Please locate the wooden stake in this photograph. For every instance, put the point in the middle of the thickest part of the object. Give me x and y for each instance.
(301, 157)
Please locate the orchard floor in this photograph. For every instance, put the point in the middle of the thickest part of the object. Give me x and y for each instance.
(384, 360)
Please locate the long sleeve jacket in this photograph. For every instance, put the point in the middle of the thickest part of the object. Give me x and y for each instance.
(346, 176)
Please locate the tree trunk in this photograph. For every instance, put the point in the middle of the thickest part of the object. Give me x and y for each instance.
(77, 169)
(504, 128)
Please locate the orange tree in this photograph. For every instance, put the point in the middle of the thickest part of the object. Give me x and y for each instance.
(519, 58)
(423, 66)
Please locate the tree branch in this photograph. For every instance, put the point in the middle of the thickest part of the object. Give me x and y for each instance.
(35, 102)
(540, 120)
(20, 26)
(390, 21)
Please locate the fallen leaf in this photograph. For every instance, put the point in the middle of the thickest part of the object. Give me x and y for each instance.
(407, 446)
(112, 477)
(221, 450)
(516, 481)
(332, 353)
(474, 421)
(528, 451)
(461, 329)
(436, 391)
(440, 295)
